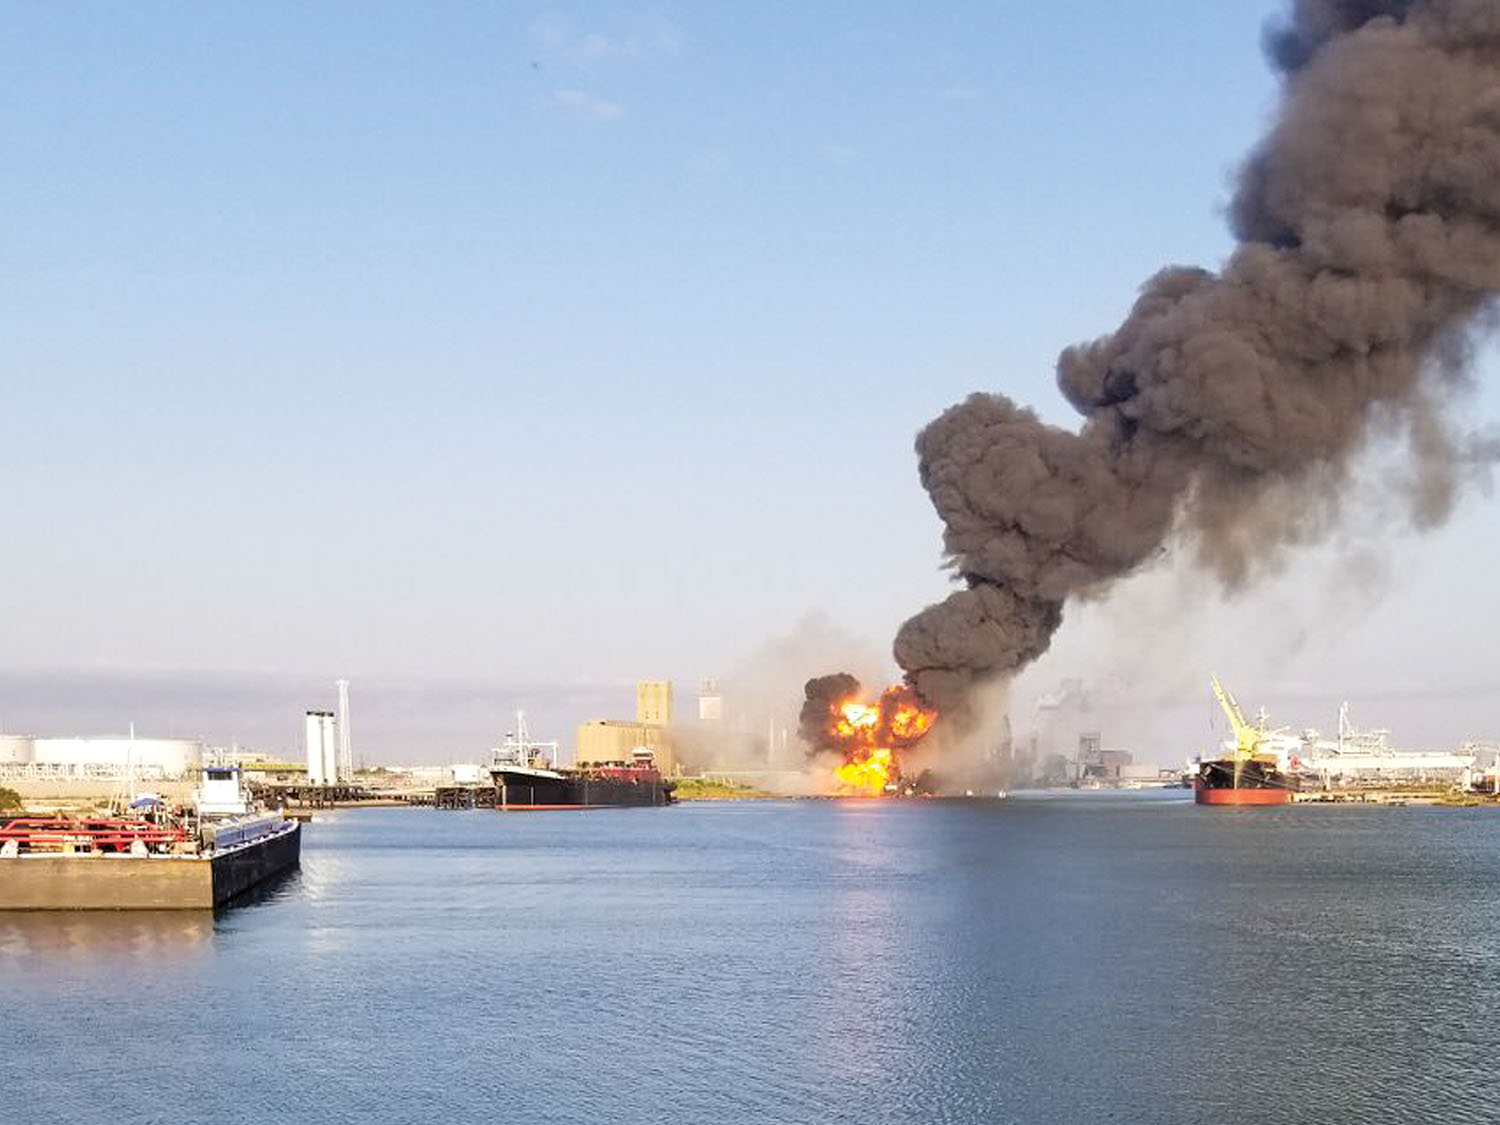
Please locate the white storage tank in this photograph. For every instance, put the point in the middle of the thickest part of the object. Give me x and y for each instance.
(15, 749)
(165, 757)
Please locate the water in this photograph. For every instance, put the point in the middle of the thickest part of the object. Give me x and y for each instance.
(1080, 959)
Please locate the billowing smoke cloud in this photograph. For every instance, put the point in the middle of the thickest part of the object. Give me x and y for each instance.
(1229, 407)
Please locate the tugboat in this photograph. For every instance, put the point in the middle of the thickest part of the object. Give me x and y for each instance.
(1250, 775)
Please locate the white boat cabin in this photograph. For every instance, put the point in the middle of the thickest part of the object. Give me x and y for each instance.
(222, 792)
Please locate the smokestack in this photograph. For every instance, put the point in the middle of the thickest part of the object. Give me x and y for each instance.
(346, 749)
(1229, 407)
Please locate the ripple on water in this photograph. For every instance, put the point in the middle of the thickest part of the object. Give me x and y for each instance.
(1048, 961)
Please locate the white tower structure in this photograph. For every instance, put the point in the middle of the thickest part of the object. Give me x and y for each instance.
(312, 739)
(710, 703)
(322, 749)
(346, 755)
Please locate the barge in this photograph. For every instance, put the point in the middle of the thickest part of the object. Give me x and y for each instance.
(148, 860)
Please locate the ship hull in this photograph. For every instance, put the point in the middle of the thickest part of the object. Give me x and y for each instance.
(238, 870)
(1208, 795)
(1227, 781)
(524, 790)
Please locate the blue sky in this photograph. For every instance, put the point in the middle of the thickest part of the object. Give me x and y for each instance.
(524, 347)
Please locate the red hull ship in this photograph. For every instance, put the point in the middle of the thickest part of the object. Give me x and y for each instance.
(1249, 776)
(1206, 796)
(1252, 782)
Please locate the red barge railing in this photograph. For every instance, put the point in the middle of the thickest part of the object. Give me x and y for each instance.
(92, 834)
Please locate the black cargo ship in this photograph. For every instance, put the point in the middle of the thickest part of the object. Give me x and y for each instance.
(522, 787)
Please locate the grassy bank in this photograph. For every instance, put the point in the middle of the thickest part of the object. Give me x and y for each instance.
(704, 789)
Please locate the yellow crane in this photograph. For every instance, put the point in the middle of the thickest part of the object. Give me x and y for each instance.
(1246, 737)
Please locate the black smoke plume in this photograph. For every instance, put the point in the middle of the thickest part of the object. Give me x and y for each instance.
(1229, 407)
(817, 722)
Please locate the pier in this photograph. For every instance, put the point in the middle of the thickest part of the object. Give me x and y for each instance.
(300, 795)
(1413, 794)
(464, 797)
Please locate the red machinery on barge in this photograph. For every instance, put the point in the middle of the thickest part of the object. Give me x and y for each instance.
(91, 835)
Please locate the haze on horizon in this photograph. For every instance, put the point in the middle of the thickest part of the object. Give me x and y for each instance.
(494, 356)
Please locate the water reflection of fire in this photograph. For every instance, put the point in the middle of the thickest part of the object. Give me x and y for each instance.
(871, 735)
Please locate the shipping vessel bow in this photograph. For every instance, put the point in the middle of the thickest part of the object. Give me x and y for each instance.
(1230, 782)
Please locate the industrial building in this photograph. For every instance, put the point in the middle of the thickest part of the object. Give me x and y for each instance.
(616, 740)
(1095, 762)
(653, 702)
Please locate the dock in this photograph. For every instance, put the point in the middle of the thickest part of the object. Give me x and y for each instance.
(1416, 794)
(297, 795)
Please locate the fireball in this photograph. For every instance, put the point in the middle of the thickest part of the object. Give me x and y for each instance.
(869, 735)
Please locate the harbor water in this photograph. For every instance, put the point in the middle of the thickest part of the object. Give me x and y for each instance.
(1079, 958)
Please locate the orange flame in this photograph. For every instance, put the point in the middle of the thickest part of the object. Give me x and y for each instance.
(869, 776)
(870, 734)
